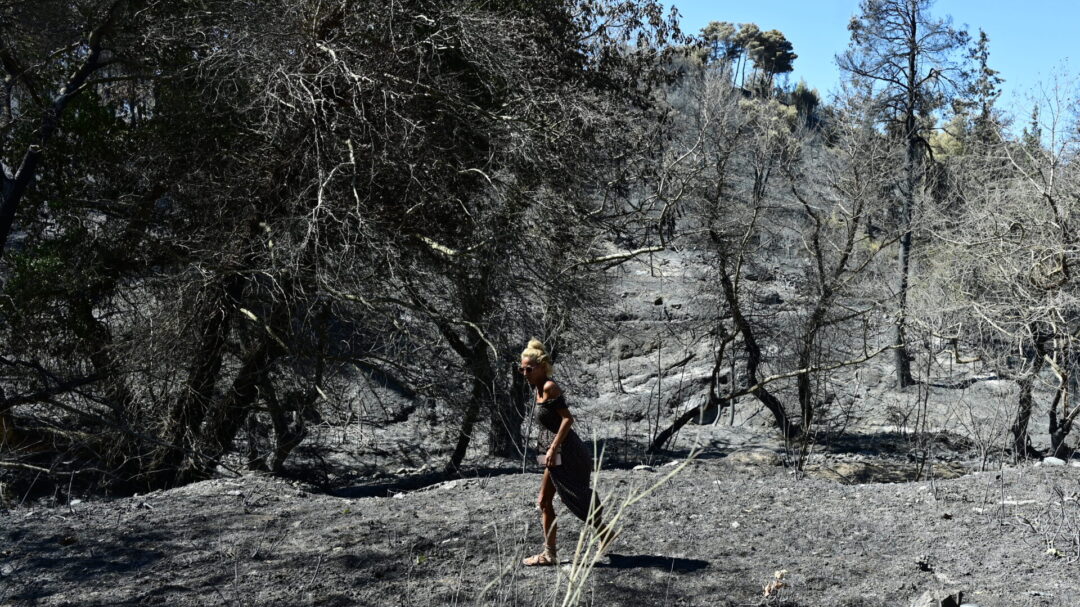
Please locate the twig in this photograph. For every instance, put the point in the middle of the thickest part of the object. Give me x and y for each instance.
(318, 565)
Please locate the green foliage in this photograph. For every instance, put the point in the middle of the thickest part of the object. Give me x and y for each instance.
(772, 53)
(976, 122)
(948, 141)
(806, 101)
(730, 44)
(720, 39)
(983, 92)
(905, 57)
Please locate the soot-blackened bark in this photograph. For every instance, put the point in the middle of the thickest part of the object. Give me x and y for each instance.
(754, 359)
(98, 340)
(507, 415)
(714, 402)
(1026, 400)
(227, 415)
(214, 318)
(1061, 423)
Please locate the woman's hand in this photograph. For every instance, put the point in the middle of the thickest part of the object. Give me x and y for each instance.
(549, 461)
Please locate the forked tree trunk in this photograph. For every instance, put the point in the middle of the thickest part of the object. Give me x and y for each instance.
(226, 415)
(714, 402)
(214, 318)
(289, 433)
(477, 361)
(465, 431)
(1061, 423)
(507, 415)
(1025, 401)
(754, 360)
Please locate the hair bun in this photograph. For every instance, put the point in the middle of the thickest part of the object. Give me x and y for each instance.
(537, 353)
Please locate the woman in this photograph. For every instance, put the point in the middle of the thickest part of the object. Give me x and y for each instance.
(567, 461)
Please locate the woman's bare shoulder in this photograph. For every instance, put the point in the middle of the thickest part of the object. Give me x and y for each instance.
(551, 390)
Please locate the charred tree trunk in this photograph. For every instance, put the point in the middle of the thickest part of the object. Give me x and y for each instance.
(256, 459)
(227, 415)
(1025, 402)
(1061, 423)
(215, 318)
(714, 403)
(804, 360)
(907, 207)
(8, 435)
(753, 360)
(98, 340)
(475, 355)
(476, 352)
(288, 433)
(1059, 431)
(507, 415)
(468, 424)
(1021, 443)
(290, 423)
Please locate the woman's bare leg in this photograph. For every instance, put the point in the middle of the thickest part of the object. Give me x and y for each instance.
(547, 510)
(547, 522)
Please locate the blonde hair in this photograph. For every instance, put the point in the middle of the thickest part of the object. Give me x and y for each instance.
(537, 353)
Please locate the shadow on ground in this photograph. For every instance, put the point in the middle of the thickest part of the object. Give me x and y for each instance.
(653, 561)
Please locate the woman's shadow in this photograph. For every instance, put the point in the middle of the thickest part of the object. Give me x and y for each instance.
(652, 561)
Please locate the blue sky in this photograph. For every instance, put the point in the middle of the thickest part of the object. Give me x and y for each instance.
(1029, 40)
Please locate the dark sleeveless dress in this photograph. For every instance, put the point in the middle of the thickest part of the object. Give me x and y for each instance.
(571, 478)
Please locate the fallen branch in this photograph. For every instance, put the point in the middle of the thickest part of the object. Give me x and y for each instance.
(615, 258)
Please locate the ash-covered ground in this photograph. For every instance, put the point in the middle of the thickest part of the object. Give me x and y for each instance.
(905, 498)
(714, 534)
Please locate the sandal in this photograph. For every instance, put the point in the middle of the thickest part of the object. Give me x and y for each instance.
(546, 558)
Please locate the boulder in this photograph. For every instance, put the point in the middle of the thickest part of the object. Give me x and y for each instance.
(939, 598)
(755, 457)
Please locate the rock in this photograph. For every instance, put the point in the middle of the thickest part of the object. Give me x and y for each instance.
(770, 299)
(707, 417)
(939, 598)
(644, 468)
(1053, 461)
(623, 349)
(923, 562)
(759, 274)
(869, 376)
(865, 470)
(755, 457)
